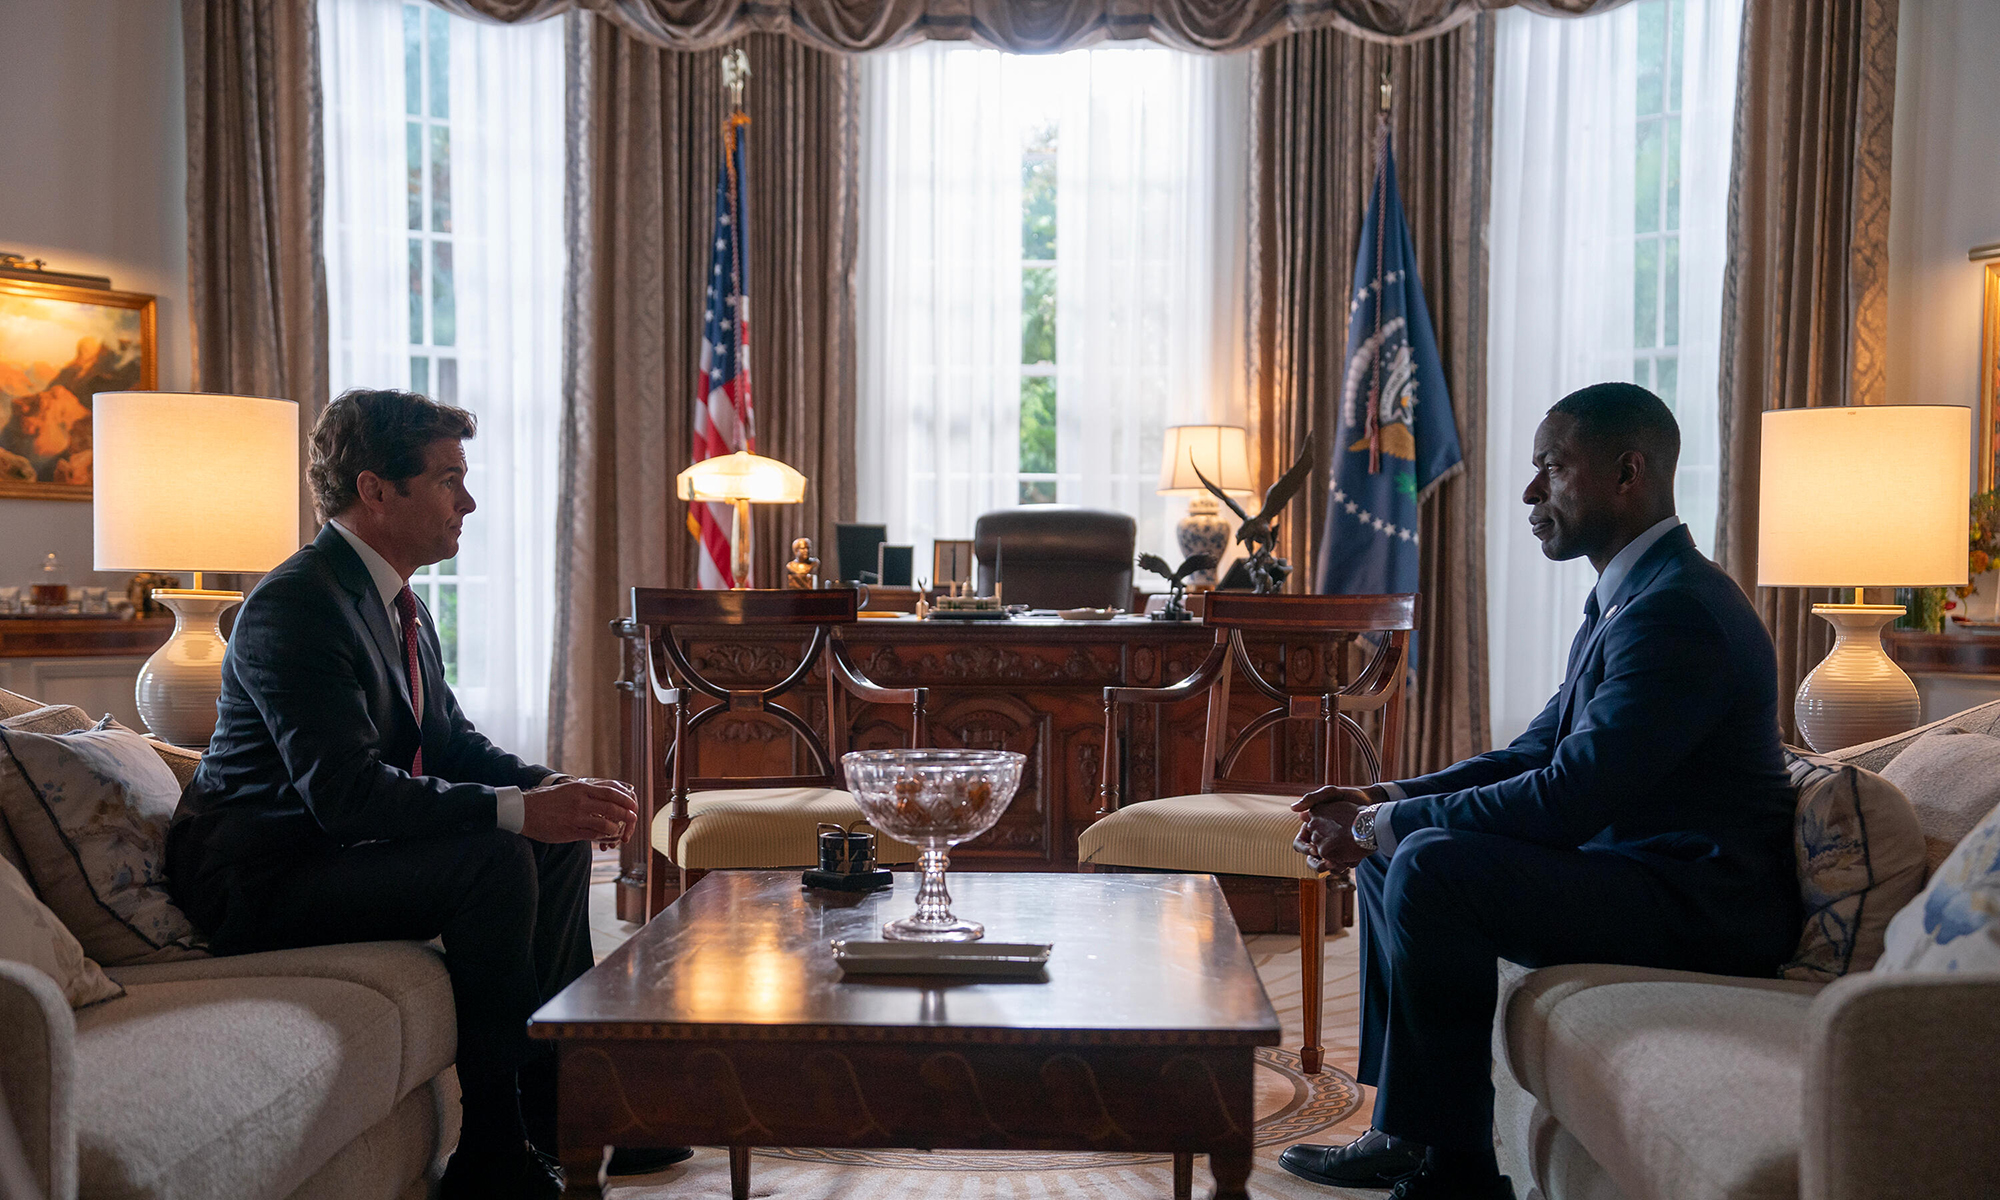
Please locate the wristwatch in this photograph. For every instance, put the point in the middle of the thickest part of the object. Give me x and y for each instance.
(1364, 827)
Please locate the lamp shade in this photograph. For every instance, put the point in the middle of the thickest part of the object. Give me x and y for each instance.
(741, 476)
(1221, 451)
(1864, 496)
(190, 481)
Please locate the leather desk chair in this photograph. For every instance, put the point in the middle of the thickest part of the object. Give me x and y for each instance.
(1057, 555)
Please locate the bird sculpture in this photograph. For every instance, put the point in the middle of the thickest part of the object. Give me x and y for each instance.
(1259, 534)
(1176, 578)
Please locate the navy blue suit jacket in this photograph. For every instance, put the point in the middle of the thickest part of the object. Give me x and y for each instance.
(1661, 746)
(315, 735)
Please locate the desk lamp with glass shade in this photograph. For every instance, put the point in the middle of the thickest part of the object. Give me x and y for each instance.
(1871, 496)
(1223, 454)
(187, 481)
(740, 480)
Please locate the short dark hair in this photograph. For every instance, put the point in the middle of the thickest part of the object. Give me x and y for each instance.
(379, 430)
(1617, 417)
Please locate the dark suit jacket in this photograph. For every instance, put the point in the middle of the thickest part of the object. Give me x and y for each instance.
(1662, 746)
(315, 734)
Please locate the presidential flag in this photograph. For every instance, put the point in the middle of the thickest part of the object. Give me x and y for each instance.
(724, 421)
(1395, 438)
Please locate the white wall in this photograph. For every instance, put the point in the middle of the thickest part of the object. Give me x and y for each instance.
(92, 132)
(1944, 196)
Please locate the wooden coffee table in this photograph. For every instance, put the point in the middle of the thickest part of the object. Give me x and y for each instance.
(725, 1022)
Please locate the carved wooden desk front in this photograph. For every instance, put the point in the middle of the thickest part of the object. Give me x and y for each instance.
(726, 1022)
(1036, 686)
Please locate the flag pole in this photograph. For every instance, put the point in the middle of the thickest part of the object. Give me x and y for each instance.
(735, 77)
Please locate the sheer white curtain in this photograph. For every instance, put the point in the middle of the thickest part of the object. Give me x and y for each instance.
(366, 221)
(1150, 178)
(1567, 179)
(1147, 336)
(507, 87)
(940, 293)
(488, 189)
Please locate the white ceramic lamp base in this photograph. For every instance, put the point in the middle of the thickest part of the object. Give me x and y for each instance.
(178, 686)
(1856, 694)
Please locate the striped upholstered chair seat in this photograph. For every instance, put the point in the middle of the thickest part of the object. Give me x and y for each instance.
(1221, 833)
(763, 827)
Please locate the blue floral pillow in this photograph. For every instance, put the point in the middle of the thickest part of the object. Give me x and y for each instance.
(1954, 925)
(89, 811)
(1860, 857)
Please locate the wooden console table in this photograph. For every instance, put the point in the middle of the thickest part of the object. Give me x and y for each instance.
(1035, 686)
(91, 662)
(1952, 671)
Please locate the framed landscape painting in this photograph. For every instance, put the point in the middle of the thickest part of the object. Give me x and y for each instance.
(1989, 372)
(59, 346)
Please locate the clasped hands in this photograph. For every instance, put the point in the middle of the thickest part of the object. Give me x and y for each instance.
(1326, 833)
(567, 809)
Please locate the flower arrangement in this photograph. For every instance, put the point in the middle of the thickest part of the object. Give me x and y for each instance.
(1984, 543)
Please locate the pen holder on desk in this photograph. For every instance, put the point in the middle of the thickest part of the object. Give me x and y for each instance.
(846, 860)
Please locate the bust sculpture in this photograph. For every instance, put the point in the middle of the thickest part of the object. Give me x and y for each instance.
(802, 572)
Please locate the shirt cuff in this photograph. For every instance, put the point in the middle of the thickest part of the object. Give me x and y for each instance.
(510, 811)
(1391, 791)
(1385, 829)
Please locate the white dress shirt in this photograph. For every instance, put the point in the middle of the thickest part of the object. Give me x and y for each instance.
(1608, 582)
(511, 811)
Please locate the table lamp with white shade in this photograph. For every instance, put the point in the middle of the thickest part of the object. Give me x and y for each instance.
(740, 480)
(1871, 496)
(1223, 454)
(189, 481)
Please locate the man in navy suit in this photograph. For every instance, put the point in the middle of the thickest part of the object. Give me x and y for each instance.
(1643, 818)
(345, 797)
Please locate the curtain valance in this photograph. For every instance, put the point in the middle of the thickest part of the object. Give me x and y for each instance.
(1023, 26)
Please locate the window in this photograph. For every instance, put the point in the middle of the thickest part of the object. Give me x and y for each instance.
(1612, 144)
(1049, 276)
(433, 308)
(445, 260)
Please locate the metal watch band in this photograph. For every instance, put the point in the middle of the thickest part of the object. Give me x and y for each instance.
(1364, 827)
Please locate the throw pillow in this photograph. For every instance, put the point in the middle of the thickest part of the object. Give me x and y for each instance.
(1952, 777)
(1955, 924)
(89, 811)
(1860, 857)
(30, 933)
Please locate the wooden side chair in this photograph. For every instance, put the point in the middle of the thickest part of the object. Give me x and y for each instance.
(715, 822)
(1246, 827)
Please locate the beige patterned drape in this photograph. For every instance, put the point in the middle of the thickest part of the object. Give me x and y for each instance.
(645, 146)
(1804, 309)
(256, 270)
(1314, 104)
(1025, 26)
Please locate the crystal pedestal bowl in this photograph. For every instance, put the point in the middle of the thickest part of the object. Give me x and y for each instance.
(933, 799)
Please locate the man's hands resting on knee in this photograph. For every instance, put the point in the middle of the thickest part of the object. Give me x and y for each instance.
(1327, 836)
(576, 810)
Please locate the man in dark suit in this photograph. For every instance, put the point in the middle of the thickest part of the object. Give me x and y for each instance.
(345, 797)
(1643, 818)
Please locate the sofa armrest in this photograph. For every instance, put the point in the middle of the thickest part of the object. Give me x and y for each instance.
(1900, 1075)
(38, 1075)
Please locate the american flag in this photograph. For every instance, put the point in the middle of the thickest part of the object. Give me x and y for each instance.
(724, 421)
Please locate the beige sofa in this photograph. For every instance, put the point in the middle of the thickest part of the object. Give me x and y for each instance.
(321, 1073)
(1620, 1083)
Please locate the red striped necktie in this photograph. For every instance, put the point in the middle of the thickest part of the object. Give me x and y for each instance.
(406, 603)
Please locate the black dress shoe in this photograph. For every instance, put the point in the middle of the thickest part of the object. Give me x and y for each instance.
(1373, 1160)
(524, 1174)
(644, 1160)
(1427, 1184)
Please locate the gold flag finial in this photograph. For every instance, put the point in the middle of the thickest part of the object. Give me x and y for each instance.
(735, 75)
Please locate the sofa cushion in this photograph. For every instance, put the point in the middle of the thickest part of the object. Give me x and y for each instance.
(256, 1082)
(409, 975)
(48, 718)
(89, 812)
(1681, 1085)
(764, 827)
(1860, 857)
(14, 704)
(1955, 924)
(1873, 756)
(1952, 777)
(31, 934)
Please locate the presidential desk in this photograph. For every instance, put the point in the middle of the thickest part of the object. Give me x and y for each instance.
(1032, 685)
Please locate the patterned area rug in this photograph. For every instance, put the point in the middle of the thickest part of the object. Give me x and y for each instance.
(1291, 1107)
